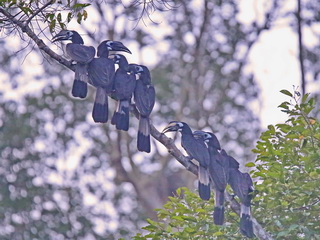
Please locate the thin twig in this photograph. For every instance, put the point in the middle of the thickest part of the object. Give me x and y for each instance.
(37, 12)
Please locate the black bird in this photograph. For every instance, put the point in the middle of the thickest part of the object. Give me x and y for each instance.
(196, 149)
(124, 85)
(144, 98)
(101, 73)
(82, 55)
(219, 172)
(242, 185)
(232, 162)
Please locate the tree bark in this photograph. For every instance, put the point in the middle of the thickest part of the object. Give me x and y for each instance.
(301, 50)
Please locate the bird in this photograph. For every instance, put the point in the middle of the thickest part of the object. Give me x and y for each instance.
(144, 98)
(80, 54)
(219, 172)
(196, 149)
(101, 71)
(233, 163)
(124, 85)
(242, 186)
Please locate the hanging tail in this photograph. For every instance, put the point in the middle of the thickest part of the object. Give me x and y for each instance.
(143, 143)
(120, 117)
(204, 183)
(100, 107)
(246, 227)
(218, 214)
(80, 86)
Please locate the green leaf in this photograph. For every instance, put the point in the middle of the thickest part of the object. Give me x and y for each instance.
(286, 92)
(305, 97)
(250, 164)
(52, 25)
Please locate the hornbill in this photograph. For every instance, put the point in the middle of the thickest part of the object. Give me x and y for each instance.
(232, 162)
(196, 149)
(124, 85)
(219, 172)
(101, 73)
(144, 98)
(82, 55)
(242, 185)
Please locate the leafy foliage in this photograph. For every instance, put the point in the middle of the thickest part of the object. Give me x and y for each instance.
(287, 192)
(54, 13)
(186, 216)
(288, 166)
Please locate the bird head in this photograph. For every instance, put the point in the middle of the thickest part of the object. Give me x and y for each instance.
(65, 35)
(204, 136)
(117, 58)
(173, 126)
(135, 68)
(114, 46)
(207, 137)
(142, 71)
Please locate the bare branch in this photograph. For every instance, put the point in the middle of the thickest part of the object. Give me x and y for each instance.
(41, 45)
(37, 12)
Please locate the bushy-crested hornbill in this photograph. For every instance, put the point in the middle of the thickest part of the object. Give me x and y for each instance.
(101, 73)
(196, 149)
(82, 55)
(242, 185)
(144, 98)
(219, 172)
(124, 85)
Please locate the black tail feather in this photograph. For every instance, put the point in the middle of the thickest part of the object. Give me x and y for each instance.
(204, 191)
(218, 214)
(100, 113)
(246, 226)
(122, 122)
(79, 89)
(114, 118)
(100, 107)
(143, 143)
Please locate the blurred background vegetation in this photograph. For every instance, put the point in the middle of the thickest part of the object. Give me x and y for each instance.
(64, 177)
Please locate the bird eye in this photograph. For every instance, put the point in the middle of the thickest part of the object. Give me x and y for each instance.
(180, 124)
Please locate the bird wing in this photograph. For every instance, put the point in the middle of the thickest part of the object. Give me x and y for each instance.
(219, 169)
(124, 84)
(80, 53)
(196, 149)
(144, 97)
(101, 72)
(242, 185)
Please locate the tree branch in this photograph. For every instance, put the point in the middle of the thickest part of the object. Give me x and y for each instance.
(301, 58)
(41, 45)
(38, 11)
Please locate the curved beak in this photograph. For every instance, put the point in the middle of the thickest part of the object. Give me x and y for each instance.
(172, 127)
(118, 46)
(60, 36)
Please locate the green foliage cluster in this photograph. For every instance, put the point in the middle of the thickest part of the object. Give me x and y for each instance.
(54, 13)
(287, 176)
(288, 166)
(186, 216)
